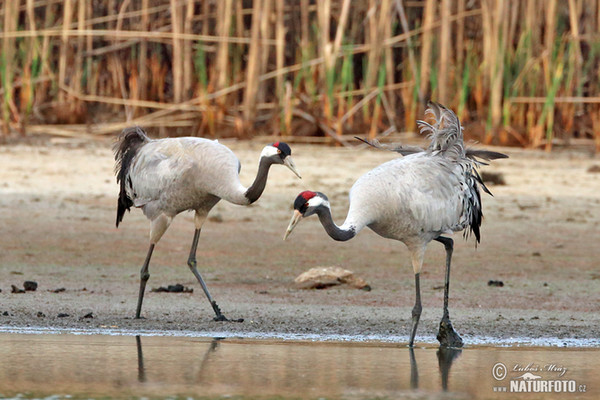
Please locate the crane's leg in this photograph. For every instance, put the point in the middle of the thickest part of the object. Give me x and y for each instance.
(416, 311)
(447, 336)
(417, 262)
(157, 229)
(144, 276)
(192, 264)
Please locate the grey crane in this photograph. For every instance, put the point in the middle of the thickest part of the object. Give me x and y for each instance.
(414, 199)
(165, 177)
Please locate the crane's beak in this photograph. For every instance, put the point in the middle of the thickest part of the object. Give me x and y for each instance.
(288, 162)
(293, 222)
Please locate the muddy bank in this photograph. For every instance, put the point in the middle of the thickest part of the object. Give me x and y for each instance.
(539, 238)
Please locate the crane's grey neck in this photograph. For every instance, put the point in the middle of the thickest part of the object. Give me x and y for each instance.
(342, 233)
(258, 186)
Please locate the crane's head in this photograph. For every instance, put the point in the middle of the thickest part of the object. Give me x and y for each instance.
(280, 153)
(306, 204)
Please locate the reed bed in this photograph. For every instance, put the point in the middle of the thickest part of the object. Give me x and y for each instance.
(519, 72)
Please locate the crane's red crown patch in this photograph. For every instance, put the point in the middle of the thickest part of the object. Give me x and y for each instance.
(307, 195)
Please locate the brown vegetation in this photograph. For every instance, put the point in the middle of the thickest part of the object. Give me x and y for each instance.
(523, 72)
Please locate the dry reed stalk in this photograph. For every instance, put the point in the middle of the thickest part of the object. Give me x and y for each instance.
(460, 34)
(390, 65)
(304, 23)
(595, 116)
(41, 91)
(237, 69)
(177, 68)
(404, 23)
(533, 26)
(375, 121)
(27, 97)
(158, 35)
(494, 34)
(426, 45)
(89, 47)
(64, 47)
(253, 67)
(330, 60)
(223, 28)
(265, 33)
(515, 10)
(287, 109)
(549, 38)
(445, 47)
(117, 67)
(6, 63)
(574, 7)
(188, 66)
(389, 112)
(324, 50)
(339, 34)
(143, 54)
(80, 47)
(497, 88)
(280, 49)
(377, 29)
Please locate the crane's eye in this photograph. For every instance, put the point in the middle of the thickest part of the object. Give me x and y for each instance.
(303, 208)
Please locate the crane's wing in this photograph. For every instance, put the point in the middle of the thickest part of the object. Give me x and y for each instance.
(183, 167)
(473, 154)
(402, 149)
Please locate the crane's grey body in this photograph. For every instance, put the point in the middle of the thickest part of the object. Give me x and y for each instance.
(169, 176)
(406, 211)
(414, 199)
(165, 177)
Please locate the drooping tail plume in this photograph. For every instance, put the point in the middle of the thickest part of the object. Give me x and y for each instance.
(446, 134)
(125, 149)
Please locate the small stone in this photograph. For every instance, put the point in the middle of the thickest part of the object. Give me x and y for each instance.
(177, 288)
(88, 315)
(30, 286)
(40, 314)
(495, 283)
(15, 289)
(59, 290)
(5, 313)
(63, 315)
(323, 277)
(536, 254)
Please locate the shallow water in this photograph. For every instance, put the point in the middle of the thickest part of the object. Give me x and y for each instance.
(117, 366)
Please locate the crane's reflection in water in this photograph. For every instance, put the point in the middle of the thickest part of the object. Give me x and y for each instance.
(445, 356)
(92, 366)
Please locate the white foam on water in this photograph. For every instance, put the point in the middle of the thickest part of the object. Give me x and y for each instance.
(469, 340)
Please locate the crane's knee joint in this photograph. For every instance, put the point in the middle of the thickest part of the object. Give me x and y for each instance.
(416, 311)
(191, 263)
(145, 276)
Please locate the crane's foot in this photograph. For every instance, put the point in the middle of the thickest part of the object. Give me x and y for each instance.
(222, 318)
(447, 336)
(219, 315)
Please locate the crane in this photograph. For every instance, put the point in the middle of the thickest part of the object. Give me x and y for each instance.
(165, 177)
(415, 199)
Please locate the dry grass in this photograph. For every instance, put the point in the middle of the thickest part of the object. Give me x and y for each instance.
(517, 72)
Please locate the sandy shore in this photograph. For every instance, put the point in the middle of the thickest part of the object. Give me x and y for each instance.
(540, 238)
